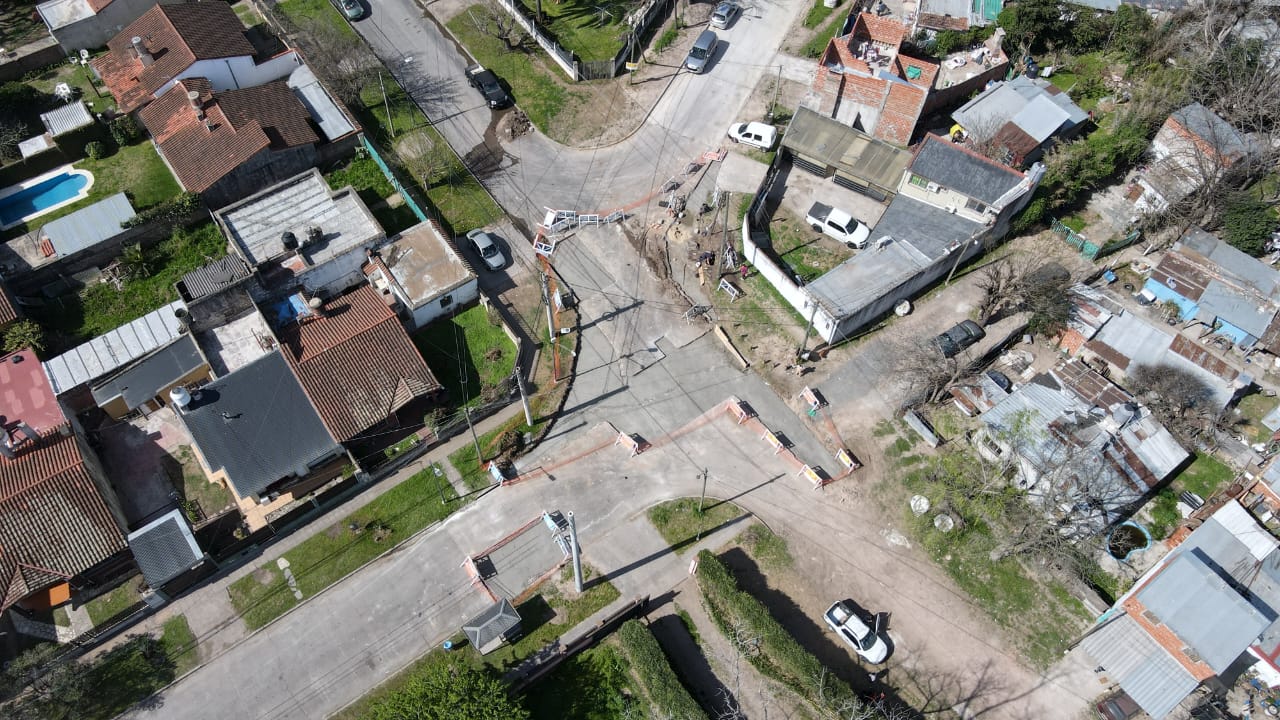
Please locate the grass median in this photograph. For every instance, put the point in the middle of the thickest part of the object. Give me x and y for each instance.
(333, 553)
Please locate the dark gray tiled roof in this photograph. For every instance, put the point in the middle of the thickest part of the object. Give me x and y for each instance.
(957, 169)
(497, 621)
(164, 548)
(258, 425)
(148, 376)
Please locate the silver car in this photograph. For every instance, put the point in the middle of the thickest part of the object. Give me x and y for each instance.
(724, 14)
(703, 48)
(487, 249)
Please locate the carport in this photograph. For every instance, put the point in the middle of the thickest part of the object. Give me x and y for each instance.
(853, 159)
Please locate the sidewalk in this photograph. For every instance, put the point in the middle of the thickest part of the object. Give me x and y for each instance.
(212, 618)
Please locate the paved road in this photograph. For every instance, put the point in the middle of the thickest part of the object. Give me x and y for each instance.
(533, 172)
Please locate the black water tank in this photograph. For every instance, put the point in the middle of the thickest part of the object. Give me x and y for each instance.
(290, 240)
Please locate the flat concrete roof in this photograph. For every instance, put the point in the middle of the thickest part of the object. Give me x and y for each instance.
(256, 225)
(424, 264)
(60, 13)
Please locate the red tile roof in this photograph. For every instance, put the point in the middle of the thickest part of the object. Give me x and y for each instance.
(56, 522)
(356, 363)
(244, 122)
(879, 29)
(176, 36)
(26, 395)
(943, 22)
(900, 112)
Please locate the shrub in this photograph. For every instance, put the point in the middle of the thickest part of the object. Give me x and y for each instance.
(169, 212)
(669, 698)
(24, 334)
(666, 39)
(779, 656)
(96, 150)
(1248, 224)
(125, 130)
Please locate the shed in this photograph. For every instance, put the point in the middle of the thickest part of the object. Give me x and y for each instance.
(68, 118)
(138, 386)
(165, 548)
(858, 161)
(86, 227)
(113, 350)
(490, 629)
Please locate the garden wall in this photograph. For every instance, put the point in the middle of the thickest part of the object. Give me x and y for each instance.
(32, 56)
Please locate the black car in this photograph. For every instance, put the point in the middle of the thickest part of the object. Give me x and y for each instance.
(487, 83)
(958, 338)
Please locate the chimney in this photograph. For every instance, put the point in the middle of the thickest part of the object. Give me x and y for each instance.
(193, 97)
(141, 49)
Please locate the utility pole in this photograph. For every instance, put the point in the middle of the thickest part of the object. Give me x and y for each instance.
(807, 330)
(959, 255)
(524, 395)
(700, 499)
(777, 84)
(391, 123)
(439, 481)
(577, 554)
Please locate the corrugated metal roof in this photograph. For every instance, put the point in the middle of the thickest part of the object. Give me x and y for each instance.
(114, 350)
(1249, 270)
(1220, 300)
(1146, 671)
(1040, 118)
(164, 548)
(1207, 614)
(71, 116)
(1141, 343)
(88, 226)
(825, 140)
(213, 278)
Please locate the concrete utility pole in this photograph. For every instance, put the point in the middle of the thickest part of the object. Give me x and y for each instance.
(577, 555)
(807, 331)
(524, 394)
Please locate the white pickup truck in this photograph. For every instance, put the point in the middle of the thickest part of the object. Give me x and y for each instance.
(858, 634)
(838, 224)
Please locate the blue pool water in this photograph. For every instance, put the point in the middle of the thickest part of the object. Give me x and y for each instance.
(40, 197)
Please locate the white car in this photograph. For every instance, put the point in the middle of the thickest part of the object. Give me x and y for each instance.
(755, 134)
(724, 14)
(851, 628)
(487, 249)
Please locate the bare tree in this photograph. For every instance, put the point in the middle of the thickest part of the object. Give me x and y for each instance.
(11, 133)
(997, 283)
(342, 59)
(493, 20)
(1179, 399)
(922, 372)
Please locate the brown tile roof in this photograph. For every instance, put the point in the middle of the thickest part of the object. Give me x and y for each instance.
(356, 363)
(244, 122)
(879, 29)
(56, 522)
(176, 36)
(935, 21)
(902, 107)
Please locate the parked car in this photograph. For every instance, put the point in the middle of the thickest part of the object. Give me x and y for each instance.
(755, 134)
(724, 14)
(959, 337)
(838, 224)
(350, 8)
(700, 54)
(1117, 707)
(487, 83)
(857, 632)
(484, 245)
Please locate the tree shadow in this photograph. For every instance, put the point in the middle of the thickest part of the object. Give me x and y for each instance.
(691, 665)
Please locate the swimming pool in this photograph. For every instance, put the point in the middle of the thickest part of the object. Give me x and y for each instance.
(39, 195)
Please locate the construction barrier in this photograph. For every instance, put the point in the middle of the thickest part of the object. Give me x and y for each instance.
(777, 445)
(630, 442)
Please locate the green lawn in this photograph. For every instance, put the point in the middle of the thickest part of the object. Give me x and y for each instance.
(467, 353)
(474, 475)
(1204, 475)
(136, 170)
(186, 474)
(592, 685)
(76, 318)
(180, 644)
(318, 10)
(818, 13)
(108, 605)
(1248, 414)
(338, 550)
(768, 549)
(680, 523)
(550, 614)
(816, 46)
(48, 78)
(804, 250)
(590, 29)
(530, 77)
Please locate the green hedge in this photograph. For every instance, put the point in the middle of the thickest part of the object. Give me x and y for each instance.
(670, 699)
(780, 656)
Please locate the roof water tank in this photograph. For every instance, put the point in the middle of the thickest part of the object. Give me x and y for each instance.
(180, 397)
(289, 240)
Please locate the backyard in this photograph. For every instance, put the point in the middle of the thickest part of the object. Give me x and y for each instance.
(591, 30)
(469, 353)
(74, 318)
(809, 254)
(333, 553)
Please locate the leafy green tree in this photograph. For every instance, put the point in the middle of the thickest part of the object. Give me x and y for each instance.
(125, 130)
(1248, 223)
(1036, 22)
(24, 334)
(56, 688)
(1132, 31)
(451, 689)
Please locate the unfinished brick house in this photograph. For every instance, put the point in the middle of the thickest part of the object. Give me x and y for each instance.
(863, 80)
